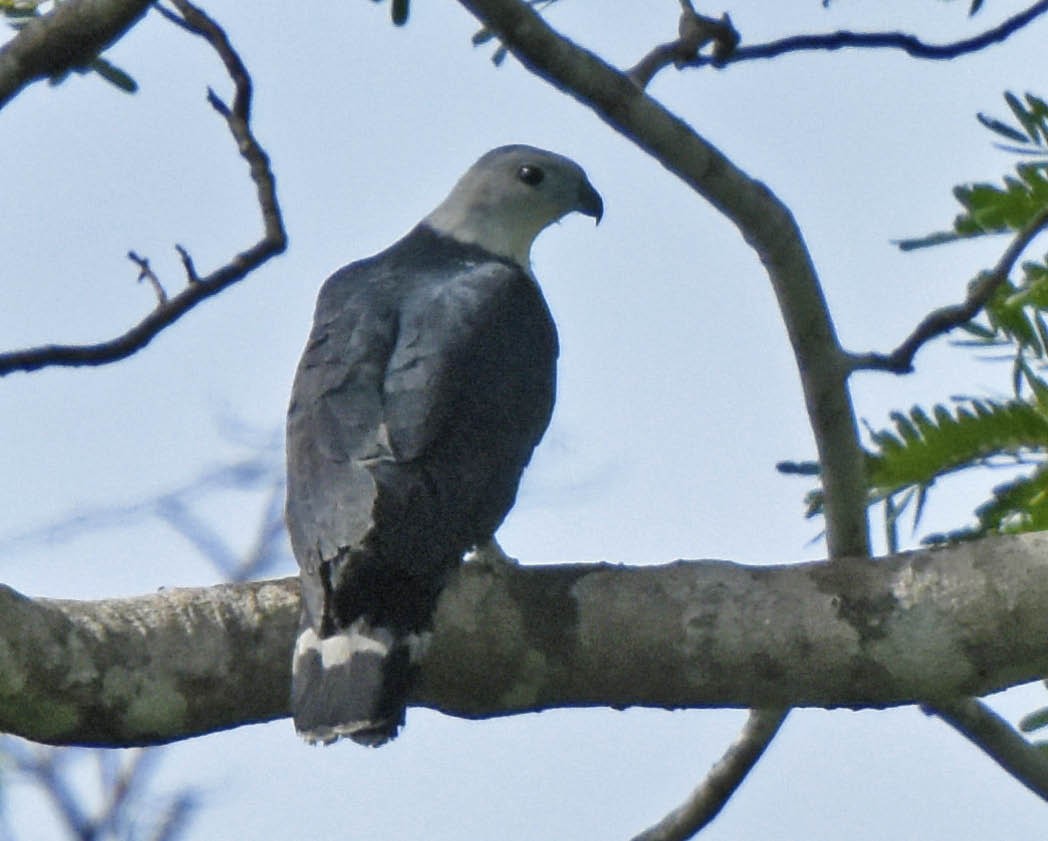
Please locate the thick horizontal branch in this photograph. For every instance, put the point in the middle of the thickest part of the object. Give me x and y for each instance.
(75, 32)
(916, 627)
(909, 44)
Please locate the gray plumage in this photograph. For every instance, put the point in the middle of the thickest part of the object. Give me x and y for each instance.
(426, 382)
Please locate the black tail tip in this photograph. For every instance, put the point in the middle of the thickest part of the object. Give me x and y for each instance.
(353, 684)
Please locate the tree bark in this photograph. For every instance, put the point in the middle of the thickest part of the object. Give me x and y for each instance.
(65, 39)
(909, 628)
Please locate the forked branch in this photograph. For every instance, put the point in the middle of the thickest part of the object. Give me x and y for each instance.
(170, 309)
(945, 319)
(909, 44)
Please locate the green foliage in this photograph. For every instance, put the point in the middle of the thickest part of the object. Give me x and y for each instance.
(1034, 721)
(1015, 316)
(994, 209)
(19, 12)
(921, 446)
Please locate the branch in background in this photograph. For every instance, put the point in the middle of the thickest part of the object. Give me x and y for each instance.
(233, 566)
(909, 44)
(869, 633)
(67, 38)
(125, 809)
(998, 739)
(706, 802)
(262, 471)
(945, 319)
(273, 241)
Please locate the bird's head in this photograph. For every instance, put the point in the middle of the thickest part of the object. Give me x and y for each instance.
(510, 195)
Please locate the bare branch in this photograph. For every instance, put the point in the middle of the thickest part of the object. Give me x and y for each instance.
(998, 739)
(273, 241)
(909, 44)
(67, 38)
(870, 633)
(706, 802)
(945, 319)
(59, 773)
(146, 273)
(187, 264)
(695, 32)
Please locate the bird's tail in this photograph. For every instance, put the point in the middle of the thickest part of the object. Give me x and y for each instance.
(353, 683)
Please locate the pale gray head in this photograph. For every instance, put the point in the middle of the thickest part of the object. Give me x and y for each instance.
(507, 197)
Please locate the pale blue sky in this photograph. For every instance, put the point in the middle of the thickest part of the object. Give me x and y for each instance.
(677, 391)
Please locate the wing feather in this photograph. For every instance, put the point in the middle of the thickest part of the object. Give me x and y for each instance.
(422, 391)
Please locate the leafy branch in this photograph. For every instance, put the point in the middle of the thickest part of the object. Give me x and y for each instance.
(922, 447)
(1020, 206)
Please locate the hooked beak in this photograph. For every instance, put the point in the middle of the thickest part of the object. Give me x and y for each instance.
(590, 202)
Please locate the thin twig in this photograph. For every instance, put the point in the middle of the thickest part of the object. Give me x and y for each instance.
(187, 264)
(706, 801)
(997, 739)
(273, 241)
(945, 319)
(909, 44)
(146, 273)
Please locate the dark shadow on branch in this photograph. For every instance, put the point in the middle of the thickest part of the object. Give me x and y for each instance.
(273, 241)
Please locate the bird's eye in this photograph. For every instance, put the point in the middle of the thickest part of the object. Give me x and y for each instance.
(530, 175)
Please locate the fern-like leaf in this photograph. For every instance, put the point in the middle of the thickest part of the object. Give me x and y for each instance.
(922, 446)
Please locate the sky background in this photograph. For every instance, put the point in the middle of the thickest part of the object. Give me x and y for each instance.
(677, 394)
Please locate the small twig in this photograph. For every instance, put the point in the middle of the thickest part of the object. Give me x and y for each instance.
(695, 32)
(945, 319)
(187, 263)
(273, 241)
(706, 801)
(997, 739)
(146, 273)
(909, 44)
